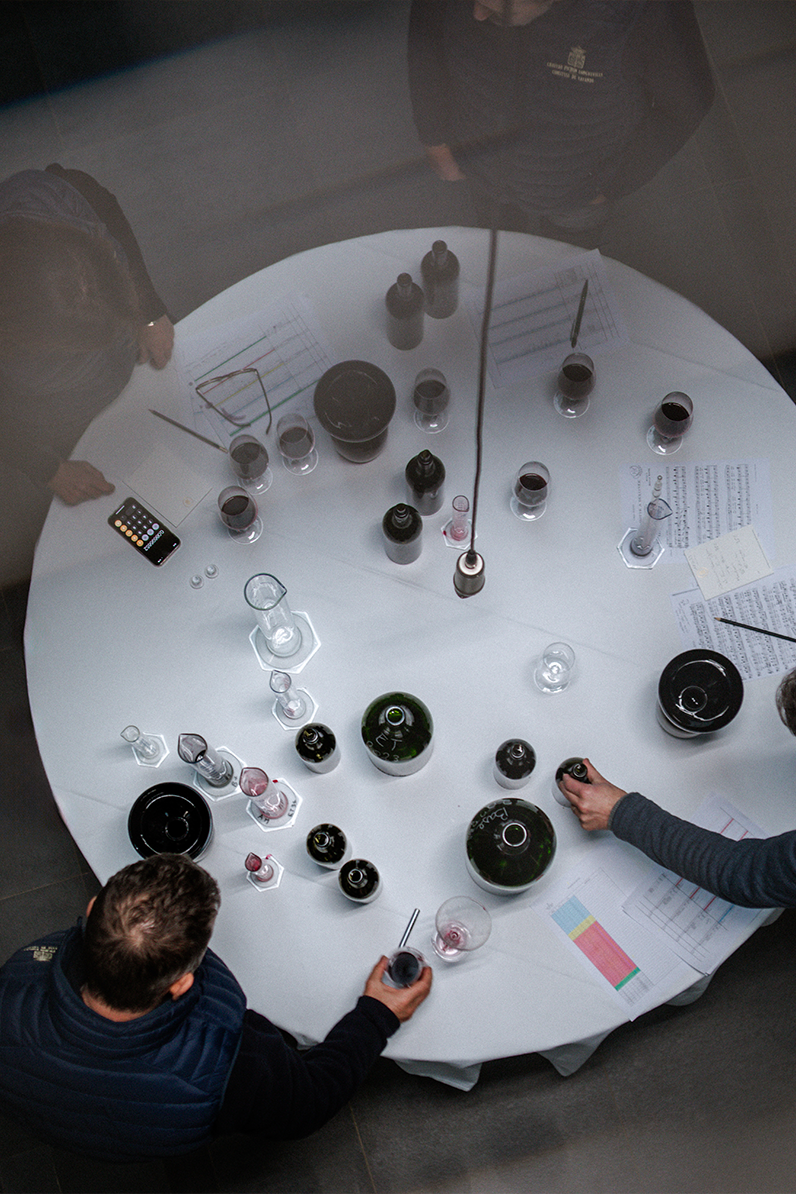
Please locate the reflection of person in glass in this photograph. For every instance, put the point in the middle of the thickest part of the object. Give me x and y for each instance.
(754, 872)
(77, 311)
(128, 1038)
(552, 109)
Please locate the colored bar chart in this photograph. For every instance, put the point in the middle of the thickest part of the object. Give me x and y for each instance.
(586, 932)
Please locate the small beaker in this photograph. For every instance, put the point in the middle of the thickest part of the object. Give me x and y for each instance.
(267, 596)
(457, 528)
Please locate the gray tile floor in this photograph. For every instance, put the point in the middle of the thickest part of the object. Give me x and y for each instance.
(294, 132)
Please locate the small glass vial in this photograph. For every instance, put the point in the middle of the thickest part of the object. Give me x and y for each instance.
(259, 870)
(149, 749)
(215, 771)
(359, 881)
(440, 274)
(575, 767)
(515, 759)
(317, 748)
(404, 302)
(328, 846)
(402, 528)
(288, 699)
(425, 478)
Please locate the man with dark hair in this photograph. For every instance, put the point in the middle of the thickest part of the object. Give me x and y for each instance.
(753, 872)
(128, 1038)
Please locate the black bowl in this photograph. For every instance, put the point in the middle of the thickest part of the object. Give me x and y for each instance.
(354, 402)
(699, 691)
(170, 818)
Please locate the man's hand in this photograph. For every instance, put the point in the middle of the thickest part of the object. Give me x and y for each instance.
(403, 1001)
(443, 163)
(592, 802)
(78, 481)
(155, 342)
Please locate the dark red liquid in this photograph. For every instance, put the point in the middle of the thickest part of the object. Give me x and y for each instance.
(532, 481)
(672, 419)
(404, 969)
(250, 460)
(295, 442)
(576, 381)
(238, 512)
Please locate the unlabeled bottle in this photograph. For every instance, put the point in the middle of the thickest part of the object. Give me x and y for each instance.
(404, 301)
(327, 845)
(359, 881)
(515, 759)
(398, 731)
(317, 747)
(440, 273)
(402, 528)
(575, 767)
(510, 844)
(425, 479)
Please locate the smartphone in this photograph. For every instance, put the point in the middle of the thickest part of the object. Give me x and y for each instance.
(144, 531)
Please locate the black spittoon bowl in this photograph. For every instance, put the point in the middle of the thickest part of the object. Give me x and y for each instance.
(699, 691)
(354, 402)
(170, 818)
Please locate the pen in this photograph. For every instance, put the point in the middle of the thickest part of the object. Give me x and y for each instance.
(757, 629)
(190, 431)
(573, 339)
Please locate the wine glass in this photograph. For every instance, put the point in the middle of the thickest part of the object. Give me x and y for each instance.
(296, 444)
(238, 512)
(575, 384)
(673, 415)
(554, 669)
(530, 490)
(248, 460)
(431, 397)
(462, 926)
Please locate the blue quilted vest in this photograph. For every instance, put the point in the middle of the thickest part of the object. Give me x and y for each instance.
(118, 1092)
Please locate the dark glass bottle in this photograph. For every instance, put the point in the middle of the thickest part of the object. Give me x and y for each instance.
(404, 301)
(327, 845)
(515, 759)
(425, 478)
(360, 881)
(317, 748)
(440, 273)
(575, 767)
(510, 844)
(398, 731)
(402, 528)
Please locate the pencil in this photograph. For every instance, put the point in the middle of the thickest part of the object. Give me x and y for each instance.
(757, 629)
(573, 339)
(190, 431)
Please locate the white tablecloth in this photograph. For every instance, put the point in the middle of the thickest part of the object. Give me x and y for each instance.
(111, 640)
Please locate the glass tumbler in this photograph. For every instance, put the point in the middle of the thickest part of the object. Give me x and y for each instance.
(529, 494)
(673, 415)
(296, 441)
(267, 596)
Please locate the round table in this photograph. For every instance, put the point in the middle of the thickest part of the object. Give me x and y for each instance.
(111, 640)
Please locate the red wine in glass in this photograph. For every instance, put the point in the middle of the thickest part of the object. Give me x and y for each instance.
(672, 418)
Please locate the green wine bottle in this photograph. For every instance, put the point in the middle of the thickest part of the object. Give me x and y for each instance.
(510, 844)
(398, 731)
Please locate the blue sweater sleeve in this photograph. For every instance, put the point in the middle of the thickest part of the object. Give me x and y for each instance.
(282, 1093)
(754, 873)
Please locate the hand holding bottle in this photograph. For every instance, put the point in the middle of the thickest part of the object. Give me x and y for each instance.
(591, 802)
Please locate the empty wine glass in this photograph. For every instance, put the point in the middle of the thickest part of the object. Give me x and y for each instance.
(554, 669)
(673, 415)
(266, 795)
(462, 926)
(431, 397)
(238, 511)
(248, 460)
(575, 384)
(296, 444)
(530, 490)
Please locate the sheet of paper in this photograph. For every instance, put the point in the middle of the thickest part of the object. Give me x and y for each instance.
(708, 499)
(726, 563)
(584, 909)
(769, 603)
(532, 317)
(166, 484)
(283, 341)
(701, 928)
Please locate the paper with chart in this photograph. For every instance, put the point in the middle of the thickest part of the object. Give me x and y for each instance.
(769, 603)
(708, 499)
(533, 314)
(286, 344)
(584, 909)
(701, 928)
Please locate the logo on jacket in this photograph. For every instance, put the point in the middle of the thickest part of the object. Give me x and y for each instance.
(42, 953)
(577, 58)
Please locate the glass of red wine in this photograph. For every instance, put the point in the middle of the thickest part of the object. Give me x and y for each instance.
(431, 397)
(248, 460)
(462, 926)
(296, 441)
(529, 492)
(575, 384)
(238, 511)
(673, 416)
